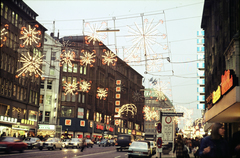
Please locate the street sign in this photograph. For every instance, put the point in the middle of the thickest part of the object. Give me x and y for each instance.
(159, 127)
(159, 142)
(159, 135)
(159, 150)
(179, 114)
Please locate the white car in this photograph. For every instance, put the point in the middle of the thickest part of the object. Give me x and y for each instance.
(51, 143)
(74, 143)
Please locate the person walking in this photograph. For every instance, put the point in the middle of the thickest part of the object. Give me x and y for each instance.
(235, 144)
(215, 145)
(84, 144)
(178, 147)
(196, 146)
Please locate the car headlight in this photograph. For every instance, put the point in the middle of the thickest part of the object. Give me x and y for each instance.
(75, 143)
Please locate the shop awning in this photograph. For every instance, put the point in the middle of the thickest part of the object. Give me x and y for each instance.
(227, 109)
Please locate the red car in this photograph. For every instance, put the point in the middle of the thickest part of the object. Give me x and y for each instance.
(9, 144)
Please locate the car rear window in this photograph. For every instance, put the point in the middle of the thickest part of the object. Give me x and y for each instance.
(139, 144)
(122, 137)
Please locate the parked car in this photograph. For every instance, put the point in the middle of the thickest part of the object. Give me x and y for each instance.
(65, 142)
(153, 147)
(51, 143)
(104, 143)
(112, 142)
(139, 149)
(9, 144)
(74, 143)
(89, 143)
(124, 141)
(32, 142)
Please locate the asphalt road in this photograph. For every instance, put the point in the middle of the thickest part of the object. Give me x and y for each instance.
(95, 152)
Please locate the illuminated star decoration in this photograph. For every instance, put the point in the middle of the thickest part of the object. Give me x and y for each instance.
(155, 63)
(65, 44)
(85, 86)
(4, 32)
(137, 96)
(30, 65)
(109, 58)
(70, 88)
(144, 39)
(30, 36)
(87, 58)
(67, 57)
(128, 108)
(149, 114)
(162, 90)
(102, 93)
(93, 35)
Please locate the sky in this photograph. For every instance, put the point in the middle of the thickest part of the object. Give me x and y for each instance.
(172, 26)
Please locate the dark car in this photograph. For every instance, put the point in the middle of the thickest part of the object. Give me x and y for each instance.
(89, 143)
(104, 143)
(124, 141)
(32, 142)
(9, 144)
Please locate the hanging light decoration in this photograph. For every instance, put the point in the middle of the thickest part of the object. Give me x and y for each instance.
(109, 58)
(161, 89)
(93, 35)
(30, 36)
(4, 32)
(70, 88)
(87, 58)
(102, 93)
(127, 108)
(85, 86)
(137, 96)
(31, 65)
(150, 114)
(67, 57)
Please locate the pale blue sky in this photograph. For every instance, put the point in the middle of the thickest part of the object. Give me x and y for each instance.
(182, 20)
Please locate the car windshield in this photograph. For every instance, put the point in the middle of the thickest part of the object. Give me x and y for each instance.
(120, 138)
(104, 140)
(65, 140)
(28, 139)
(139, 145)
(74, 140)
(50, 140)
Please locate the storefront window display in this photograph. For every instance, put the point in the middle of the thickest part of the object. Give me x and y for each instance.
(33, 115)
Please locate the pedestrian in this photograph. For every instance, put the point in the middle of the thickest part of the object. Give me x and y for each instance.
(178, 147)
(84, 144)
(3, 134)
(196, 146)
(235, 144)
(215, 145)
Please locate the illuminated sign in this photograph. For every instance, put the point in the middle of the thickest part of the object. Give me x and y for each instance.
(117, 110)
(118, 82)
(118, 129)
(117, 102)
(51, 127)
(118, 96)
(27, 122)
(138, 133)
(116, 122)
(133, 132)
(226, 81)
(129, 131)
(118, 89)
(8, 119)
(91, 124)
(99, 127)
(68, 122)
(82, 123)
(121, 130)
(216, 95)
(125, 130)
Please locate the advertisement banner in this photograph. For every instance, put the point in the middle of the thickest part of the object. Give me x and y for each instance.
(167, 128)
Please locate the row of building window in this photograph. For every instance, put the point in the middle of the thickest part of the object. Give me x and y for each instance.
(74, 68)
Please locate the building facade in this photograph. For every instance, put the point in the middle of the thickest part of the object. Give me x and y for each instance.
(221, 24)
(20, 89)
(91, 112)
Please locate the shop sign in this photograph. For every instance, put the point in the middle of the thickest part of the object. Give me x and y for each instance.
(99, 127)
(51, 127)
(116, 122)
(82, 123)
(8, 119)
(80, 112)
(209, 101)
(129, 131)
(91, 124)
(226, 81)
(133, 132)
(138, 133)
(216, 95)
(27, 122)
(68, 122)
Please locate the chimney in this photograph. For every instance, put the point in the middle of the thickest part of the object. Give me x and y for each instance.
(52, 34)
(58, 35)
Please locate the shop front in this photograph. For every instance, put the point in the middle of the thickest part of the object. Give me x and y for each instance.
(46, 130)
(99, 129)
(6, 124)
(24, 128)
(109, 132)
(74, 127)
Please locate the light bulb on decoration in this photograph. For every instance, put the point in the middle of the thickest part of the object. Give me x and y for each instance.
(109, 58)
(137, 96)
(31, 65)
(150, 114)
(30, 36)
(85, 86)
(128, 108)
(101, 93)
(143, 39)
(162, 90)
(155, 63)
(87, 58)
(67, 58)
(70, 88)
(92, 34)
(4, 32)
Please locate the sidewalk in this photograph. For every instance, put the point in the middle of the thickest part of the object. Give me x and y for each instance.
(171, 154)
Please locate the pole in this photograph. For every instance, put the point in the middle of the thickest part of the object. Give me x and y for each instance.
(144, 43)
(115, 38)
